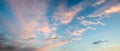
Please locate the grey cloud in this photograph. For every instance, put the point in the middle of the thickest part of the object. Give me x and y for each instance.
(100, 41)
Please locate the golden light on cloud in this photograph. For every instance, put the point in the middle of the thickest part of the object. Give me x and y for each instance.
(99, 2)
(113, 9)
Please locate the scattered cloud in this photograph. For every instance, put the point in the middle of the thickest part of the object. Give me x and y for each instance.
(31, 19)
(78, 32)
(64, 15)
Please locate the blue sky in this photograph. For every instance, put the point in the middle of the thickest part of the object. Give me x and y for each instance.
(60, 25)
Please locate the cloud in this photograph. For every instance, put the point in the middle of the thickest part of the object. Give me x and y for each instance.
(31, 17)
(46, 48)
(81, 18)
(65, 15)
(75, 39)
(99, 2)
(34, 30)
(78, 32)
(109, 7)
(91, 28)
(58, 44)
(88, 23)
(113, 9)
(7, 44)
(98, 42)
(14, 48)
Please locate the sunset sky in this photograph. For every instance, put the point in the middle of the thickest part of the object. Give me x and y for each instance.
(60, 25)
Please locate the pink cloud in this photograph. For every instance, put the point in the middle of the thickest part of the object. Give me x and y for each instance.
(47, 48)
(113, 9)
(64, 15)
(78, 32)
(29, 15)
(31, 19)
(104, 10)
(99, 2)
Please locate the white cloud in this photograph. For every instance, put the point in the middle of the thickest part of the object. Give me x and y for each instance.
(89, 23)
(78, 32)
(81, 18)
(91, 28)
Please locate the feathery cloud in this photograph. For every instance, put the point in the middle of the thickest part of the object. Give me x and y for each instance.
(88, 23)
(64, 15)
(31, 17)
(113, 9)
(78, 32)
(107, 9)
(99, 2)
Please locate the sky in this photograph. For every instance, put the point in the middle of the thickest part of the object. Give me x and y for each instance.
(60, 25)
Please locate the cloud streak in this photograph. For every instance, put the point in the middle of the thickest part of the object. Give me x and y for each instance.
(31, 17)
(109, 7)
(113, 9)
(99, 2)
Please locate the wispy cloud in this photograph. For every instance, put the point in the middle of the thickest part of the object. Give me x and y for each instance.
(31, 17)
(88, 23)
(65, 15)
(46, 48)
(109, 7)
(99, 2)
(113, 9)
(35, 29)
